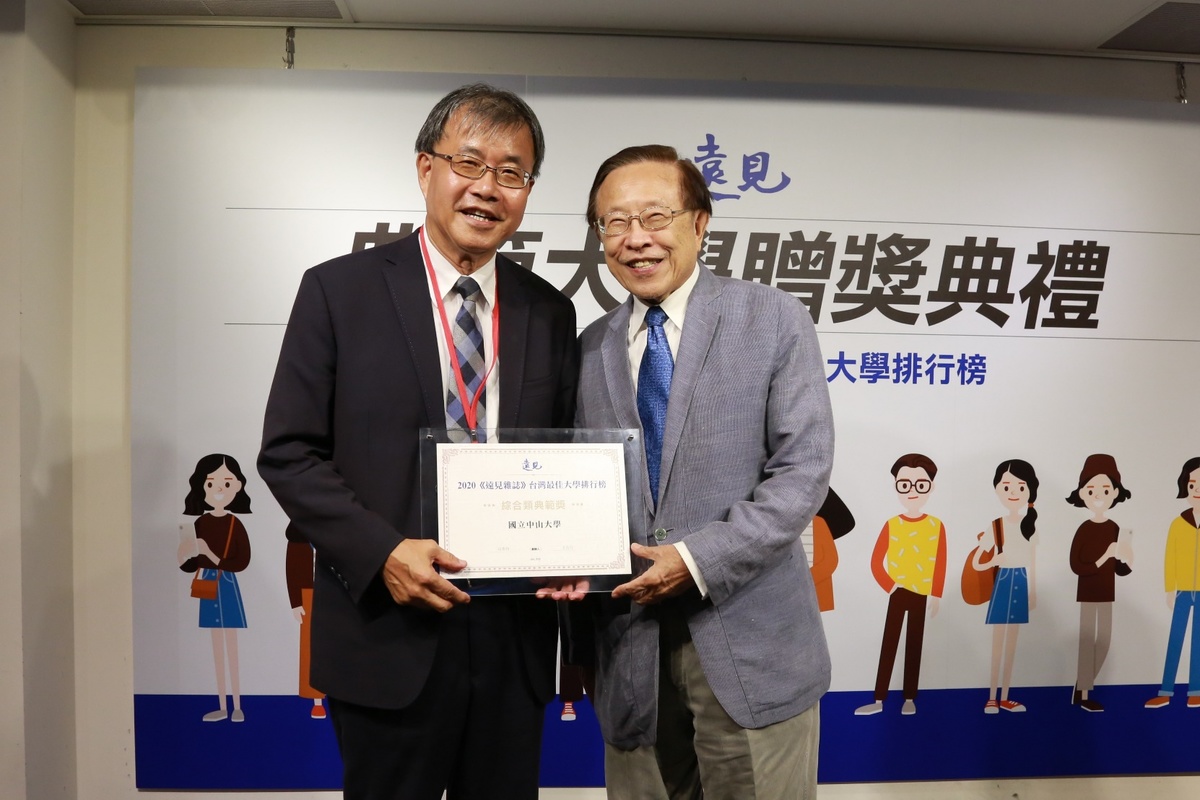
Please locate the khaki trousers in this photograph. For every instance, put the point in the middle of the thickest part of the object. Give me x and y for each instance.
(701, 753)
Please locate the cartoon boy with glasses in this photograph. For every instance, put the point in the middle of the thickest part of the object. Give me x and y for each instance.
(909, 563)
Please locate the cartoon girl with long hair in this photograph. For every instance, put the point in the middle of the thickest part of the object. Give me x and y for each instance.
(1013, 541)
(1100, 552)
(220, 550)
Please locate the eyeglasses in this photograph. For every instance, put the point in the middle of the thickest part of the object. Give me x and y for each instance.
(473, 168)
(903, 486)
(654, 218)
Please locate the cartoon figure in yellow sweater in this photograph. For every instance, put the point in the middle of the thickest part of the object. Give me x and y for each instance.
(1181, 574)
(909, 563)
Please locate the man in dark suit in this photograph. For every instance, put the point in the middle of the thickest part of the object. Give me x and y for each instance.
(710, 662)
(429, 689)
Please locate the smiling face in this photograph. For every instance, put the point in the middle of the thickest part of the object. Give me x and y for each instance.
(1013, 492)
(650, 264)
(468, 219)
(1193, 491)
(1098, 494)
(220, 488)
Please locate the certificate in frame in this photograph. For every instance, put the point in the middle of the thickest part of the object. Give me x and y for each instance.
(531, 506)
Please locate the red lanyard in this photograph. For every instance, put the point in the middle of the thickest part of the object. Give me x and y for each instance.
(470, 410)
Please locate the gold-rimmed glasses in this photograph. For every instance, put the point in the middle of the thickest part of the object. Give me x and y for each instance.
(473, 168)
(654, 218)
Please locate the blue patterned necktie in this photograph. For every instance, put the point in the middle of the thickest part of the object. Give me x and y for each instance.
(468, 350)
(654, 389)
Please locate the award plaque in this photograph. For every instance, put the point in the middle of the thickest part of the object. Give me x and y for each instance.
(530, 507)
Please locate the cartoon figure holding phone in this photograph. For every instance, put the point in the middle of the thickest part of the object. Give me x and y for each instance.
(1100, 551)
(219, 550)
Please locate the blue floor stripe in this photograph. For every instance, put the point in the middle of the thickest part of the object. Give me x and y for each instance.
(949, 738)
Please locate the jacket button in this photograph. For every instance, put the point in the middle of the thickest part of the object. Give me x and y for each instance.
(660, 534)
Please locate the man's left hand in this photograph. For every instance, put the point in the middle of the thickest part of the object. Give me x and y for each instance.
(668, 576)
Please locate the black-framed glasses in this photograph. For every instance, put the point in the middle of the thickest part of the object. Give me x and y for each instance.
(654, 218)
(904, 486)
(473, 168)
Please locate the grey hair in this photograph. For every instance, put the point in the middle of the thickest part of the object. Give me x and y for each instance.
(488, 109)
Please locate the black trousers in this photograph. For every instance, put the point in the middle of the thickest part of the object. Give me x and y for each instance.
(475, 730)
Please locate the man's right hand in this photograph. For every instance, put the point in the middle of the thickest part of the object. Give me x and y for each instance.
(412, 580)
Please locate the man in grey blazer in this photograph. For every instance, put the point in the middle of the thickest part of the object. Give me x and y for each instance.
(710, 662)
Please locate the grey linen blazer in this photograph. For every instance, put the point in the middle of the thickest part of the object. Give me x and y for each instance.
(746, 458)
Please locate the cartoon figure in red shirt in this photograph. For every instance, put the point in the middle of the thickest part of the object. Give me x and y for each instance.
(298, 572)
(832, 521)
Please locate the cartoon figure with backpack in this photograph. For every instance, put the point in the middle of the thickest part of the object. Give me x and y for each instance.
(1001, 571)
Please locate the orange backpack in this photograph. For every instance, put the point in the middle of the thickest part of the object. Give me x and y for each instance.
(977, 583)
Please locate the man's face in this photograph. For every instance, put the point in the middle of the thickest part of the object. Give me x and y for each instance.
(468, 219)
(910, 481)
(650, 264)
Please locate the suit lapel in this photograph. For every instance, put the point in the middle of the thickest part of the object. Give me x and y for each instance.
(699, 327)
(404, 271)
(512, 298)
(614, 357)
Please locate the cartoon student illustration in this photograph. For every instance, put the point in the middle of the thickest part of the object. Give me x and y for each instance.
(1100, 551)
(909, 563)
(832, 521)
(572, 683)
(1181, 574)
(298, 574)
(219, 550)
(1012, 542)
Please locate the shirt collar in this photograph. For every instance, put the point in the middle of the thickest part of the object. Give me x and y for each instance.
(447, 275)
(674, 304)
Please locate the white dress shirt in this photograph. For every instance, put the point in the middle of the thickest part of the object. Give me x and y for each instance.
(447, 276)
(674, 306)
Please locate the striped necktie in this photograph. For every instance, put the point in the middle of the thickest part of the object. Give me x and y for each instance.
(468, 350)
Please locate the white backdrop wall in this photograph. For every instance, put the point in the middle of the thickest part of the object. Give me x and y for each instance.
(104, 134)
(228, 213)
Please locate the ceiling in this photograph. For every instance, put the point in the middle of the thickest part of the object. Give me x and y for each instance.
(1147, 28)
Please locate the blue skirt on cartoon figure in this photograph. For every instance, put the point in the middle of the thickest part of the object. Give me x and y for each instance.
(1010, 597)
(227, 610)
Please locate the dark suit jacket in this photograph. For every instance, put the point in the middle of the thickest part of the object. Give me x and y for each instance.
(358, 376)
